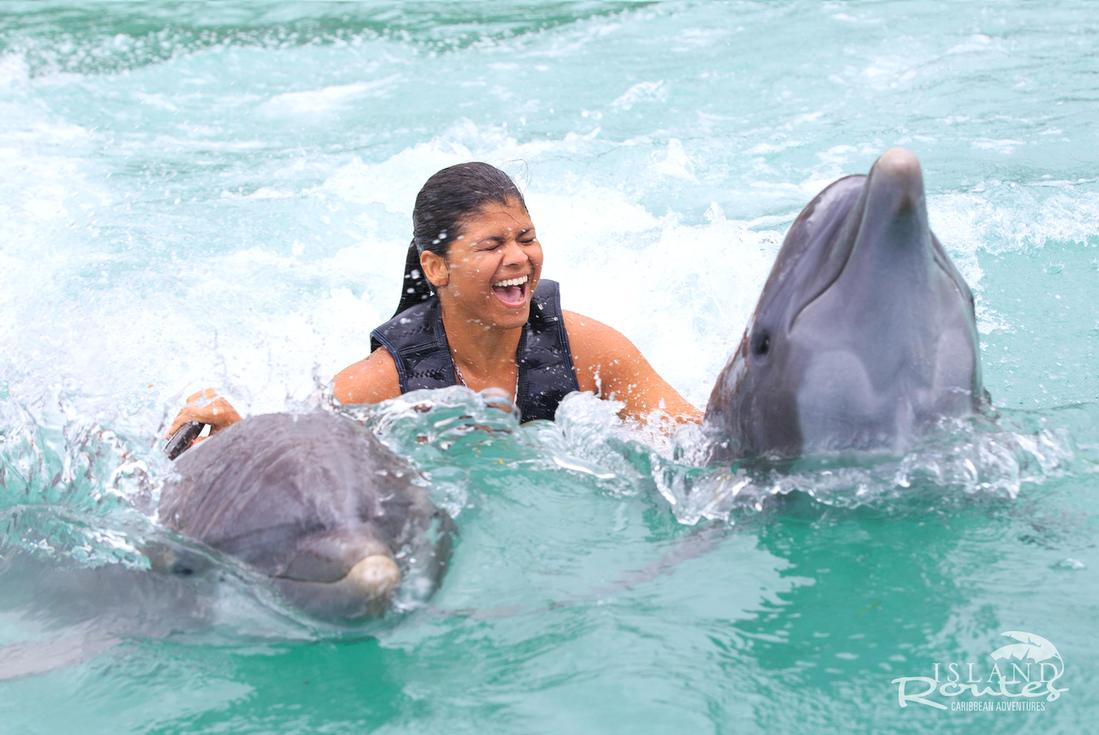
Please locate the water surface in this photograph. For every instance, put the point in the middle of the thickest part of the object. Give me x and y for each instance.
(221, 195)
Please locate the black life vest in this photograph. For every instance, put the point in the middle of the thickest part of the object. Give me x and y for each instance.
(417, 342)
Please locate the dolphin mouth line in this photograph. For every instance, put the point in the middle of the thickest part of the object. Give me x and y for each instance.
(823, 290)
(839, 273)
(376, 575)
(935, 257)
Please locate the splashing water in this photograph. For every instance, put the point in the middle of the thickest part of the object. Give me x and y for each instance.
(220, 195)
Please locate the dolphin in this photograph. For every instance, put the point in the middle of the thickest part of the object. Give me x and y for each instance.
(314, 502)
(864, 335)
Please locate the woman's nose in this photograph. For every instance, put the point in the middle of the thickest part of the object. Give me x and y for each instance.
(514, 254)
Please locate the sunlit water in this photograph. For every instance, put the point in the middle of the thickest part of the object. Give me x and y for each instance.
(195, 195)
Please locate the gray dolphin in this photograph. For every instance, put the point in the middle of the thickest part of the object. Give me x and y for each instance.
(864, 333)
(316, 503)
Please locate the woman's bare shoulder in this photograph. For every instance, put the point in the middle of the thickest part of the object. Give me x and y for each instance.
(610, 365)
(370, 380)
(594, 338)
(597, 350)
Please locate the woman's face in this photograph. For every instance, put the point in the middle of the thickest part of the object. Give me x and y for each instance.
(492, 266)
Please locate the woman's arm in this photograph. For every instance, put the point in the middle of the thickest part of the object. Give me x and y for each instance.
(370, 380)
(611, 366)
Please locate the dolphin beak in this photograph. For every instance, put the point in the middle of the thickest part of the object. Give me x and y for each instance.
(893, 238)
(364, 591)
(895, 191)
(901, 168)
(374, 576)
(343, 574)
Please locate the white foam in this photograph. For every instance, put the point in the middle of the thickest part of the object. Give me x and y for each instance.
(1008, 218)
(890, 72)
(13, 70)
(1005, 146)
(977, 43)
(765, 148)
(639, 93)
(157, 101)
(327, 99)
(262, 193)
(357, 182)
(674, 162)
(691, 39)
(682, 293)
(395, 181)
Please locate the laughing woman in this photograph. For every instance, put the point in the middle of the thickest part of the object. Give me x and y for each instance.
(475, 311)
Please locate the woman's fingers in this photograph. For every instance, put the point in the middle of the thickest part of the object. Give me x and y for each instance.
(205, 407)
(201, 395)
(186, 415)
(181, 418)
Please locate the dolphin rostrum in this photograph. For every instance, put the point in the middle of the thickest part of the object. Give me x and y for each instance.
(863, 336)
(316, 503)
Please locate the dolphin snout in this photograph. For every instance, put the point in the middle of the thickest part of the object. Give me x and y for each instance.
(900, 162)
(364, 591)
(341, 574)
(892, 230)
(897, 175)
(374, 577)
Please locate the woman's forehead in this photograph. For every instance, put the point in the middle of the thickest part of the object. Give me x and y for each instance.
(497, 218)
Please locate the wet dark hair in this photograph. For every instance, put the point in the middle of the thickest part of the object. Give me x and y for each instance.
(445, 200)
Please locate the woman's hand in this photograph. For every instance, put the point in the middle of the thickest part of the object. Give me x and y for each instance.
(205, 407)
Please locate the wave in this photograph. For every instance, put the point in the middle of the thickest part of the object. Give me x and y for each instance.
(120, 37)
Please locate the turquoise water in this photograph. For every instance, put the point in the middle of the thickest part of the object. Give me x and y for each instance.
(221, 195)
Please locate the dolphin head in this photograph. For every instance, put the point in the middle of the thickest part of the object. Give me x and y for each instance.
(864, 333)
(314, 502)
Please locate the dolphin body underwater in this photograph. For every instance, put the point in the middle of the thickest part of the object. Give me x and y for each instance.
(314, 502)
(864, 335)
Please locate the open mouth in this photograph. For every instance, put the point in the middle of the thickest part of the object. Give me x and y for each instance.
(512, 292)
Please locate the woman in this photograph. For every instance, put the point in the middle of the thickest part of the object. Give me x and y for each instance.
(475, 311)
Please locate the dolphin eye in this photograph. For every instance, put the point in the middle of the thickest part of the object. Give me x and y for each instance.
(761, 343)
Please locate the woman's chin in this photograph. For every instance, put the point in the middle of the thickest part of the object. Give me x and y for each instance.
(509, 317)
(517, 318)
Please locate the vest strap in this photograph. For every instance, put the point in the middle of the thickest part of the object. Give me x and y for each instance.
(417, 342)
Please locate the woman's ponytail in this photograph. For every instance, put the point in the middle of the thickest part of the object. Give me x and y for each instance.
(414, 287)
